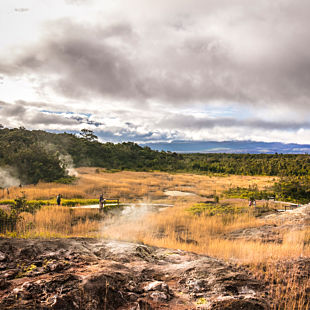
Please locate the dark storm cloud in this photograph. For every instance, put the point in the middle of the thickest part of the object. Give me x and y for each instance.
(260, 57)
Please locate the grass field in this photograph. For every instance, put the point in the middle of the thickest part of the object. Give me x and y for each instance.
(189, 219)
(134, 185)
(191, 225)
(54, 221)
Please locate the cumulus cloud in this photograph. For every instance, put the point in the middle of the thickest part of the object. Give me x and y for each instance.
(252, 54)
(19, 114)
(81, 61)
(151, 126)
(138, 65)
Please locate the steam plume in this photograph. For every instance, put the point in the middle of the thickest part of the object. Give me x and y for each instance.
(7, 178)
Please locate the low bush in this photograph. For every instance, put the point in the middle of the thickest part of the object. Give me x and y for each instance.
(66, 180)
(65, 202)
(251, 192)
(79, 202)
(7, 202)
(210, 209)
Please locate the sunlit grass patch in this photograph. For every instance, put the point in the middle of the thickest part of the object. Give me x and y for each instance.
(50, 202)
(129, 185)
(210, 209)
(287, 285)
(54, 221)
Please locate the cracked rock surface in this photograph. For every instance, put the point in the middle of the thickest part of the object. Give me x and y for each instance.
(80, 273)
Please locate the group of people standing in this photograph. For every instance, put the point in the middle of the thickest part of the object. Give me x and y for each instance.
(101, 201)
(252, 202)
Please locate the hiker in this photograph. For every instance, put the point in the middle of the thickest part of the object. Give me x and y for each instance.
(101, 202)
(254, 203)
(250, 203)
(58, 199)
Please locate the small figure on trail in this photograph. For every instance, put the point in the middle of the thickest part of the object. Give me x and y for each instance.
(101, 202)
(58, 199)
(252, 202)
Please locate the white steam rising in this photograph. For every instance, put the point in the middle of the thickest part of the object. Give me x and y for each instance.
(7, 178)
(67, 161)
(129, 223)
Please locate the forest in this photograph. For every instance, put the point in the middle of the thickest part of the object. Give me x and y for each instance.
(36, 155)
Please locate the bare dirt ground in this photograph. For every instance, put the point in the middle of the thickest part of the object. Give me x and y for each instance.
(81, 273)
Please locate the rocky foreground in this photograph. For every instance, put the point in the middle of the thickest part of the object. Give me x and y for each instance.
(93, 274)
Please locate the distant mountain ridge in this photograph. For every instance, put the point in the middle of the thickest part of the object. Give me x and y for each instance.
(237, 147)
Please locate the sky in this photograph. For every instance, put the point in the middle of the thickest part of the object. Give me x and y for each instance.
(157, 70)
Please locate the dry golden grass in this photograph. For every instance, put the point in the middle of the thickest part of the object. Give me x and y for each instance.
(54, 221)
(177, 228)
(288, 287)
(173, 227)
(129, 185)
(167, 228)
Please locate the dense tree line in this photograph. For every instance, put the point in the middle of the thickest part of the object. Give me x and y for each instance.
(38, 155)
(250, 164)
(293, 188)
(290, 188)
(29, 157)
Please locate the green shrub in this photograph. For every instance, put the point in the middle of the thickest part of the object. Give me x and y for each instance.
(251, 192)
(79, 202)
(7, 202)
(66, 180)
(210, 209)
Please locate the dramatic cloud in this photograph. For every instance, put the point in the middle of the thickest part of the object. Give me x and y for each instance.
(21, 114)
(149, 126)
(163, 69)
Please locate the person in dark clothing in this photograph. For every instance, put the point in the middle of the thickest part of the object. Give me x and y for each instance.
(58, 199)
(101, 202)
